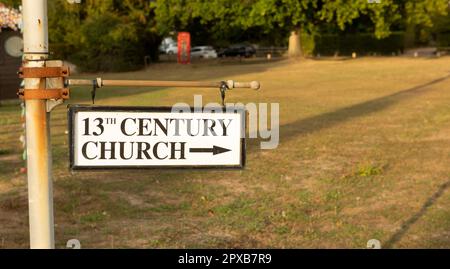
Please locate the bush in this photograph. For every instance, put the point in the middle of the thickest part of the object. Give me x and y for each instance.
(109, 45)
(308, 44)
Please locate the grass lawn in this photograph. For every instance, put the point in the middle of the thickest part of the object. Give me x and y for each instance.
(364, 154)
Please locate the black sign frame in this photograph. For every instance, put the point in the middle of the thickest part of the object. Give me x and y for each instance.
(73, 109)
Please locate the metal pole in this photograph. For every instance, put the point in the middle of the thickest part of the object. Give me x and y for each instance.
(39, 162)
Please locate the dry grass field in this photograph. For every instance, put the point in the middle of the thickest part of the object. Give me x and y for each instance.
(364, 154)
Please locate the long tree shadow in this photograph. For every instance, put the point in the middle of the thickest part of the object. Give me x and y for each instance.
(330, 119)
(414, 218)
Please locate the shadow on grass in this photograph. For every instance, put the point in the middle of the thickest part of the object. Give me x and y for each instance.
(327, 120)
(414, 218)
(330, 119)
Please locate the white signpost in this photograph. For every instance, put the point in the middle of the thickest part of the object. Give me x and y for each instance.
(140, 137)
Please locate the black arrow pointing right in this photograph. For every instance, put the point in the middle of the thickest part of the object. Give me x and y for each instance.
(214, 150)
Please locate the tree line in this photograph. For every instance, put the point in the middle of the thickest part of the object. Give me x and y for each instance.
(115, 35)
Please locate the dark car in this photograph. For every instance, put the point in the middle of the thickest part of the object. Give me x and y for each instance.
(241, 50)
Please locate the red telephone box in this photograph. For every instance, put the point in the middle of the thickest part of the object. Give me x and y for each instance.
(184, 47)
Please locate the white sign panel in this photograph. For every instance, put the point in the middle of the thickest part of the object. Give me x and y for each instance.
(152, 137)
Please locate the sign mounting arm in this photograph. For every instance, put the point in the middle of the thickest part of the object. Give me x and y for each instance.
(255, 85)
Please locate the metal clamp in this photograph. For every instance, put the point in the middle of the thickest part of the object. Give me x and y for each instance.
(223, 88)
(96, 83)
(43, 94)
(44, 72)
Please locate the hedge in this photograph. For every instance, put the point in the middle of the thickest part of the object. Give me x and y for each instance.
(362, 44)
(443, 40)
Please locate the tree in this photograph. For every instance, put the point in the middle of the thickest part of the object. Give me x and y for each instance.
(105, 35)
(420, 17)
(292, 16)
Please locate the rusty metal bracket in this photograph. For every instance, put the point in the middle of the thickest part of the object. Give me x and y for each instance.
(55, 92)
(54, 83)
(44, 72)
(51, 104)
(43, 94)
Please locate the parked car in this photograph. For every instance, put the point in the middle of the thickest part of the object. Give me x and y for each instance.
(166, 43)
(172, 49)
(206, 52)
(241, 50)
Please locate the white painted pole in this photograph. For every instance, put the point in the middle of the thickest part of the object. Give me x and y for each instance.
(39, 162)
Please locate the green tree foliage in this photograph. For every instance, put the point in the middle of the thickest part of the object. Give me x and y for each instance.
(271, 16)
(105, 35)
(214, 22)
(421, 19)
(422, 12)
(441, 32)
